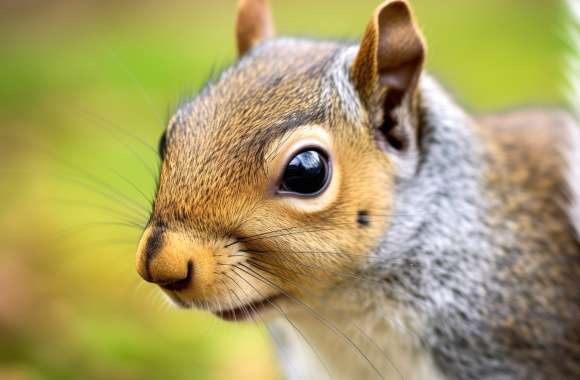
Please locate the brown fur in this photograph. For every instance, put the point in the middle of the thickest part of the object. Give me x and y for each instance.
(216, 179)
(527, 182)
(229, 196)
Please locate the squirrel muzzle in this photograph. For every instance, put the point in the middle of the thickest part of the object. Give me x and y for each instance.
(174, 261)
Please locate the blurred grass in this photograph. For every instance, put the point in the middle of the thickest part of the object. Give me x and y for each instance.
(73, 73)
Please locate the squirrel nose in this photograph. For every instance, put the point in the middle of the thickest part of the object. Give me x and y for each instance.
(176, 281)
(161, 261)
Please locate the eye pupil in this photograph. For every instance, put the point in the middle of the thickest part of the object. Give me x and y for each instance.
(306, 173)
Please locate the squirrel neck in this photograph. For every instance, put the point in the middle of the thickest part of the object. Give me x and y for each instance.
(442, 208)
(482, 246)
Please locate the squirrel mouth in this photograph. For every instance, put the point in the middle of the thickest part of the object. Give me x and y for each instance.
(247, 311)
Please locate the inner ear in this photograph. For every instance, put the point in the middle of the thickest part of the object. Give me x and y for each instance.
(386, 72)
(390, 128)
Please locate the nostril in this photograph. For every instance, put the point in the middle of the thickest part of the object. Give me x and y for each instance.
(178, 284)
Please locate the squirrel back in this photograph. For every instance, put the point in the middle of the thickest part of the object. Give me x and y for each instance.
(339, 194)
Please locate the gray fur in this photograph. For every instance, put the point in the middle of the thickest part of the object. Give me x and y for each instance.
(447, 263)
(436, 251)
(452, 263)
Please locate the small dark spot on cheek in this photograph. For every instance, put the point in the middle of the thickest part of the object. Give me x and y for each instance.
(363, 218)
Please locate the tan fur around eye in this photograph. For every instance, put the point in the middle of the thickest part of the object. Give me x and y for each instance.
(313, 136)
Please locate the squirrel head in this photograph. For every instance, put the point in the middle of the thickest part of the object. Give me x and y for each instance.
(278, 178)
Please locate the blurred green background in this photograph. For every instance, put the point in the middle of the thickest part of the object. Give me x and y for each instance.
(85, 90)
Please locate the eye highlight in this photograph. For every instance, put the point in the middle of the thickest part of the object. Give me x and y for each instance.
(307, 173)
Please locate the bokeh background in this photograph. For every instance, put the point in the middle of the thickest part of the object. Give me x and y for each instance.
(85, 90)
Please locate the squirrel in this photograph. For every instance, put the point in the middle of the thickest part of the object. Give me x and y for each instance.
(338, 194)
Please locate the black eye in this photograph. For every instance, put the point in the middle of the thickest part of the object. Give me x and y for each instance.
(308, 173)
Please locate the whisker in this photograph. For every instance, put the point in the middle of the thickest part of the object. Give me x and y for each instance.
(285, 315)
(242, 304)
(114, 128)
(232, 293)
(337, 253)
(286, 231)
(347, 274)
(82, 176)
(146, 198)
(351, 274)
(145, 95)
(245, 239)
(107, 191)
(89, 186)
(277, 342)
(322, 320)
(362, 332)
(117, 242)
(107, 186)
(322, 229)
(98, 182)
(66, 233)
(120, 213)
(247, 308)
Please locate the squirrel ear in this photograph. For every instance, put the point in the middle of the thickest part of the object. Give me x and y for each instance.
(391, 52)
(386, 73)
(253, 24)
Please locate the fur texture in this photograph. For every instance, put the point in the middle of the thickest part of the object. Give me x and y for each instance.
(467, 265)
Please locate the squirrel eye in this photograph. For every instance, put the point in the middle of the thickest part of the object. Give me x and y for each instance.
(307, 173)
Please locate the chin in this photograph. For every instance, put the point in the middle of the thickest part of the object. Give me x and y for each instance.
(261, 310)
